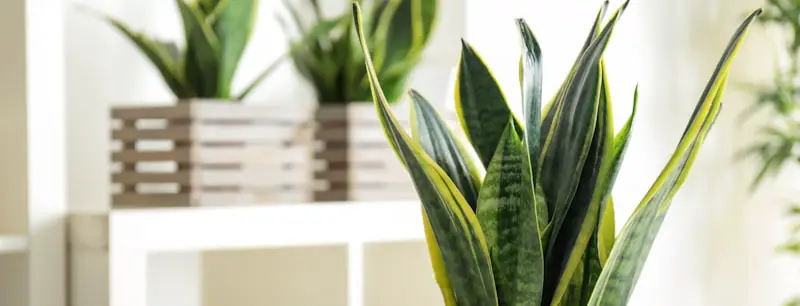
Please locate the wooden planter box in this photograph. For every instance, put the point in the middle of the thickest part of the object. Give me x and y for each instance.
(202, 153)
(354, 160)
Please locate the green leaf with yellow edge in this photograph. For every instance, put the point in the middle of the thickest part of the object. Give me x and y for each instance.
(576, 165)
(480, 104)
(507, 213)
(607, 226)
(455, 228)
(437, 262)
(606, 231)
(627, 258)
(549, 110)
(435, 137)
(630, 251)
(570, 137)
(569, 243)
(201, 66)
(233, 28)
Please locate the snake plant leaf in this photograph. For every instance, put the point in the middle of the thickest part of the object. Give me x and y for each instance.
(480, 104)
(607, 226)
(437, 262)
(455, 227)
(423, 26)
(233, 28)
(202, 52)
(624, 265)
(591, 268)
(606, 231)
(572, 159)
(435, 137)
(172, 49)
(381, 37)
(158, 53)
(208, 6)
(567, 144)
(573, 230)
(575, 289)
(531, 81)
(507, 213)
(410, 29)
(549, 110)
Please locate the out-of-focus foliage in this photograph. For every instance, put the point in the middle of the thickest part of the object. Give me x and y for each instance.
(327, 54)
(779, 142)
(216, 33)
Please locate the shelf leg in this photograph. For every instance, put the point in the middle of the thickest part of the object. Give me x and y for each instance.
(355, 274)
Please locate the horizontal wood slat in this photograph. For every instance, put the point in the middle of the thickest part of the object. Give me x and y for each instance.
(247, 177)
(199, 132)
(255, 155)
(207, 199)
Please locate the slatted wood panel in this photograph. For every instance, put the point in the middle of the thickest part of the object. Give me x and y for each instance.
(354, 161)
(201, 153)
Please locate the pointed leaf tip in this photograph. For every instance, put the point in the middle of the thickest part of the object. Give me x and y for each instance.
(465, 44)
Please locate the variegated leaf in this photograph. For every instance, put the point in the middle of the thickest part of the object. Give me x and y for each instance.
(622, 270)
(456, 231)
(507, 213)
(435, 137)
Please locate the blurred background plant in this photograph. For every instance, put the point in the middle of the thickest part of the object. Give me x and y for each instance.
(778, 141)
(217, 33)
(325, 50)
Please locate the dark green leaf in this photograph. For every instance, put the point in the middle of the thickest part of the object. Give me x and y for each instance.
(531, 80)
(573, 230)
(567, 144)
(438, 141)
(202, 53)
(549, 109)
(481, 105)
(507, 213)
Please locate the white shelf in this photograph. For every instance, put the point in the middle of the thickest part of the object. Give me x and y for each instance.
(218, 228)
(13, 244)
(110, 251)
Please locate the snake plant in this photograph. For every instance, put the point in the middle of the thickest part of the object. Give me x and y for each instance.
(531, 222)
(327, 53)
(216, 32)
